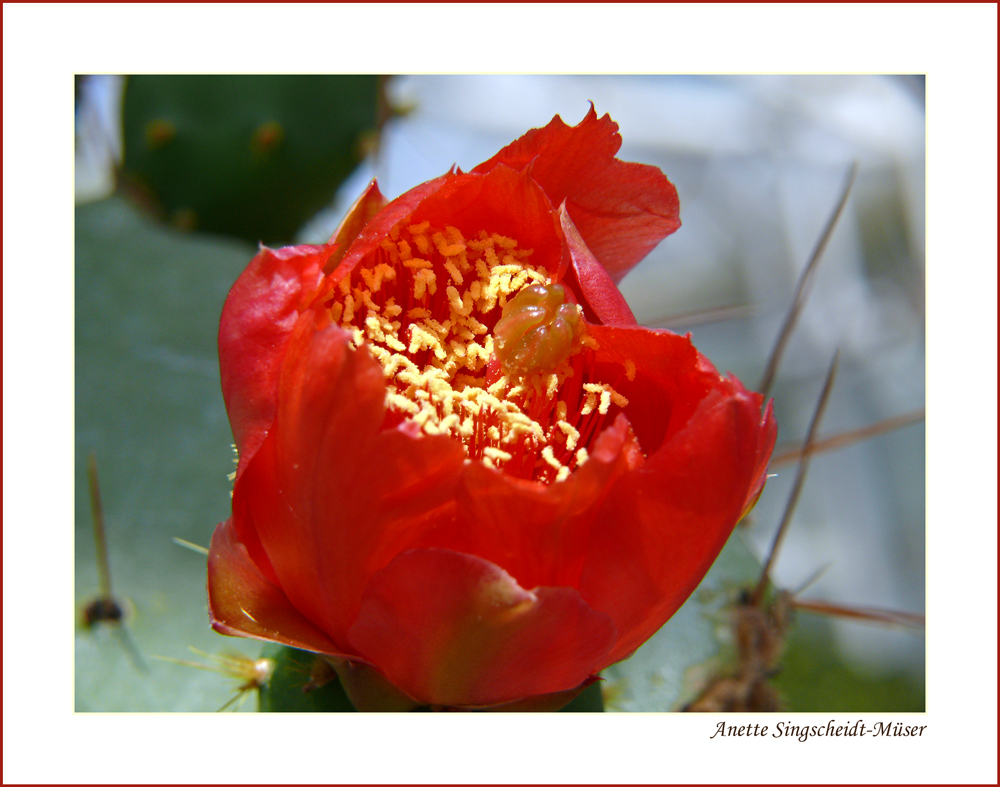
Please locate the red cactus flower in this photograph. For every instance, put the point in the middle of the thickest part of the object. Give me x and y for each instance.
(466, 475)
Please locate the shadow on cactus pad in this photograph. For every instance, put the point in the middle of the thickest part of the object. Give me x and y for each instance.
(250, 156)
(303, 683)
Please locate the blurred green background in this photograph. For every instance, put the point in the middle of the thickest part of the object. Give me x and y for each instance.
(178, 178)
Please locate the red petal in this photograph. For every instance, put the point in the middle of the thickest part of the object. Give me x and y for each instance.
(662, 526)
(360, 214)
(768, 437)
(671, 378)
(502, 201)
(257, 320)
(455, 630)
(602, 300)
(392, 214)
(332, 498)
(243, 603)
(621, 209)
(538, 532)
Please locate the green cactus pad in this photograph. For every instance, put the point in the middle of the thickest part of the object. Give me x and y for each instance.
(250, 156)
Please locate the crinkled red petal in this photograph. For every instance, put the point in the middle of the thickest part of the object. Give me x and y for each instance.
(454, 630)
(621, 209)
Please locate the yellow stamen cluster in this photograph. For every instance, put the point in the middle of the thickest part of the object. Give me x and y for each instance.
(424, 304)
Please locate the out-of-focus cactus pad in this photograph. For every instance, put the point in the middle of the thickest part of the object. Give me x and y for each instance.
(302, 683)
(249, 156)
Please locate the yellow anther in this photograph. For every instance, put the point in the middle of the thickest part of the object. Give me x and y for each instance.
(437, 328)
(391, 309)
(453, 271)
(462, 333)
(424, 281)
(497, 454)
(450, 421)
(480, 243)
(382, 355)
(400, 402)
(395, 344)
(602, 408)
(421, 339)
(497, 388)
(572, 435)
(550, 459)
(454, 299)
(366, 298)
(374, 330)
